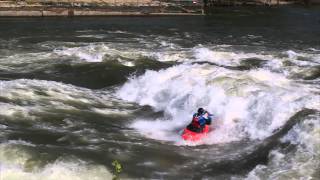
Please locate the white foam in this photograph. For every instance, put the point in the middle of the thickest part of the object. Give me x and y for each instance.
(247, 104)
(119, 32)
(98, 52)
(167, 56)
(224, 57)
(300, 163)
(109, 111)
(18, 163)
(97, 36)
(38, 96)
(314, 49)
(269, 78)
(159, 129)
(14, 112)
(90, 53)
(24, 62)
(57, 170)
(291, 54)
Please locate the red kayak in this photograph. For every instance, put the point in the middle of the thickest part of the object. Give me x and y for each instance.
(188, 135)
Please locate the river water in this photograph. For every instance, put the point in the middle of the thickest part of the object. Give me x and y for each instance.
(78, 93)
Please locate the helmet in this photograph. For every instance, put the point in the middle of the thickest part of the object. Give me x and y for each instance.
(200, 111)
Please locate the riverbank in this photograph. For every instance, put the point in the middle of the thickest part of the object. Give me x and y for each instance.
(40, 8)
(98, 8)
(122, 11)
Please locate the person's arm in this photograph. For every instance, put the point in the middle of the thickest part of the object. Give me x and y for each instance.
(208, 118)
(202, 121)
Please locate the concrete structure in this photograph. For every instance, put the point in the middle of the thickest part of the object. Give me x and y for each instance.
(125, 7)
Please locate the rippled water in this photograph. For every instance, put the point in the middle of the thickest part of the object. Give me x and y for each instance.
(78, 93)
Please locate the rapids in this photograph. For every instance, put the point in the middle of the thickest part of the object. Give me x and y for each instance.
(78, 93)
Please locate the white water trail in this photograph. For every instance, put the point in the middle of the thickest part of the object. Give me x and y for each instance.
(16, 162)
(90, 53)
(299, 163)
(99, 52)
(247, 104)
(32, 97)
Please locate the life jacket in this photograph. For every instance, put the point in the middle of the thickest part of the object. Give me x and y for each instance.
(195, 121)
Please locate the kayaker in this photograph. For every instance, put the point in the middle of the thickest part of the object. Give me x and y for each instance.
(199, 120)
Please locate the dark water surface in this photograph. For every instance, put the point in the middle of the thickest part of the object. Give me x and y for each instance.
(78, 93)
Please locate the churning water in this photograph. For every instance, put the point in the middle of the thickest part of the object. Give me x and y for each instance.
(78, 93)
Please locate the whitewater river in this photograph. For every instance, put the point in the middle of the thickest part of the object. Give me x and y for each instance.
(79, 93)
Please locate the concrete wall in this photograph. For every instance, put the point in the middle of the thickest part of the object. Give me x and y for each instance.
(20, 13)
(121, 7)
